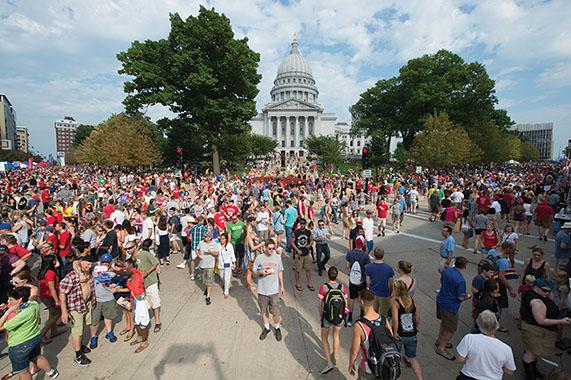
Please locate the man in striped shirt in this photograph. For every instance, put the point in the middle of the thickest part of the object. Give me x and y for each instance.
(195, 236)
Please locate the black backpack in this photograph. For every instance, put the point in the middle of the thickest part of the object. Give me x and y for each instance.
(383, 355)
(334, 305)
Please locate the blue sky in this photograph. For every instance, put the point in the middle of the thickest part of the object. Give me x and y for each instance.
(58, 57)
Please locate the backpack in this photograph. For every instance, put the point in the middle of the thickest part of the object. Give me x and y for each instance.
(383, 355)
(510, 274)
(356, 274)
(334, 305)
(492, 260)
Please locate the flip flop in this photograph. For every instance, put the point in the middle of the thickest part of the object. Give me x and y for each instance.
(157, 328)
(129, 337)
(299, 288)
(134, 343)
(123, 332)
(141, 349)
(310, 287)
(445, 354)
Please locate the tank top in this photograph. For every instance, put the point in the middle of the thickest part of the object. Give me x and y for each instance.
(537, 273)
(527, 315)
(490, 240)
(407, 320)
(365, 344)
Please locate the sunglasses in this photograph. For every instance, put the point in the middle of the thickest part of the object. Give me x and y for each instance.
(130, 248)
(271, 248)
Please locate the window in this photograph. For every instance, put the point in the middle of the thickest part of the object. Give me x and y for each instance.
(292, 144)
(274, 127)
(351, 144)
(301, 143)
(283, 143)
(358, 142)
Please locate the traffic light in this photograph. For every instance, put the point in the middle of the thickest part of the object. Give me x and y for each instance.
(365, 157)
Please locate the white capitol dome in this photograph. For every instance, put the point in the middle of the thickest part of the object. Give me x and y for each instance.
(294, 78)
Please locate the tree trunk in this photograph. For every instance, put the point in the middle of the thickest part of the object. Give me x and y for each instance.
(215, 159)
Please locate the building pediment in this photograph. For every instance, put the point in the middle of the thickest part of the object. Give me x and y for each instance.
(292, 105)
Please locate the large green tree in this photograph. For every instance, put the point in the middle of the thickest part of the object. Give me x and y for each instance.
(441, 143)
(123, 140)
(81, 133)
(441, 82)
(328, 149)
(200, 72)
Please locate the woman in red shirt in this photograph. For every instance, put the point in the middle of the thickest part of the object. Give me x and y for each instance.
(489, 238)
(49, 285)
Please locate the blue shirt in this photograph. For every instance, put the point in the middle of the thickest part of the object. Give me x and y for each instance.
(379, 273)
(291, 216)
(278, 221)
(562, 237)
(447, 245)
(452, 286)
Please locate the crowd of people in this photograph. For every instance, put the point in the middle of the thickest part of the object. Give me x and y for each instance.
(89, 242)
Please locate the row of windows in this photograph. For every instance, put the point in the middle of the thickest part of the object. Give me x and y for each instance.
(300, 80)
(301, 95)
(292, 143)
(292, 129)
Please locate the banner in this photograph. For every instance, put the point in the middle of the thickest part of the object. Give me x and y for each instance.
(30, 163)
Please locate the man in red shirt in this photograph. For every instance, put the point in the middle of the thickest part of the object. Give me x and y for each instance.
(543, 217)
(108, 210)
(10, 241)
(483, 202)
(46, 197)
(382, 210)
(64, 241)
(220, 219)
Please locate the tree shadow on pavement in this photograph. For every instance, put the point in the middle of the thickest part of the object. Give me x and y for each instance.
(189, 354)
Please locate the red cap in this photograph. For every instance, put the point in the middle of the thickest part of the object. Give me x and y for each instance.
(359, 243)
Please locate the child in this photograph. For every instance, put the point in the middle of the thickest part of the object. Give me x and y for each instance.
(526, 286)
(561, 291)
(488, 300)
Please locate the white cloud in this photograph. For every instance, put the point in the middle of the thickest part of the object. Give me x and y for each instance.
(556, 76)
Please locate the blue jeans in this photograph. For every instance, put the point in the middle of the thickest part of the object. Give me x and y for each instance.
(322, 249)
(289, 232)
(334, 214)
(370, 246)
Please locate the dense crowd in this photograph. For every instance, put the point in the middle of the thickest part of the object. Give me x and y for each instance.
(89, 242)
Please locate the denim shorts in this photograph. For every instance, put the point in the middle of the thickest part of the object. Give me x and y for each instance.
(409, 343)
(326, 324)
(21, 354)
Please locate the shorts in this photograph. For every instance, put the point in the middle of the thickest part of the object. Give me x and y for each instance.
(301, 263)
(382, 305)
(542, 224)
(355, 289)
(153, 297)
(193, 255)
(448, 320)
(79, 320)
(208, 276)
(107, 310)
(269, 304)
(382, 222)
(326, 324)
(21, 354)
(409, 343)
(442, 265)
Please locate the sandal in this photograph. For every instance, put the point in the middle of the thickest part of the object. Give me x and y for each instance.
(445, 354)
(299, 288)
(310, 287)
(129, 337)
(135, 342)
(7, 376)
(123, 332)
(141, 348)
(157, 328)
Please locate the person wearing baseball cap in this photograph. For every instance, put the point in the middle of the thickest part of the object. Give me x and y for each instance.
(563, 244)
(207, 251)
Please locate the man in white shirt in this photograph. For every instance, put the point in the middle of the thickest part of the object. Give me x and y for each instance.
(413, 197)
(457, 197)
(117, 216)
(369, 227)
(148, 226)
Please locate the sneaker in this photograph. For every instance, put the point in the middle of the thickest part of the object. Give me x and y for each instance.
(208, 302)
(264, 333)
(328, 368)
(181, 265)
(192, 277)
(92, 344)
(111, 337)
(85, 349)
(82, 360)
(278, 334)
(53, 374)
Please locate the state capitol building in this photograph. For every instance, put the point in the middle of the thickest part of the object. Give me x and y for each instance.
(294, 112)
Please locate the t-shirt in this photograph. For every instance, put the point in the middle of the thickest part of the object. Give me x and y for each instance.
(208, 260)
(263, 219)
(562, 237)
(323, 290)
(369, 227)
(361, 257)
(543, 213)
(382, 210)
(50, 276)
(64, 239)
(452, 286)
(145, 261)
(379, 274)
(397, 209)
(236, 230)
(290, 217)
(135, 284)
(269, 284)
(447, 245)
(25, 325)
(301, 239)
(485, 357)
(148, 229)
(102, 279)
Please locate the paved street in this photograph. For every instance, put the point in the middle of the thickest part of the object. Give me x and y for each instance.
(221, 341)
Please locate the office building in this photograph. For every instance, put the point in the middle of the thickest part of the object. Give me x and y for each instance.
(65, 133)
(540, 136)
(22, 139)
(7, 124)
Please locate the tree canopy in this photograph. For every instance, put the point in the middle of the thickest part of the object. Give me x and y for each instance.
(120, 140)
(201, 73)
(81, 133)
(441, 82)
(441, 143)
(327, 148)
